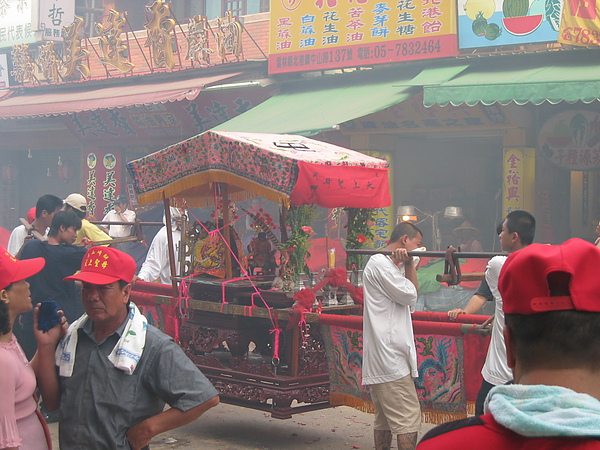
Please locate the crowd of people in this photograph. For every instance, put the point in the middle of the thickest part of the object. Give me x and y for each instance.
(70, 332)
(98, 362)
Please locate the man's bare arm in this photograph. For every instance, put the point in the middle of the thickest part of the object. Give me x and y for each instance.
(474, 305)
(141, 434)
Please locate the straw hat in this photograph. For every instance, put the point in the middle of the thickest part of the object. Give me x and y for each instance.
(466, 225)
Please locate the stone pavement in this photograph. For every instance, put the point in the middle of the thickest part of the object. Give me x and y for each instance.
(229, 427)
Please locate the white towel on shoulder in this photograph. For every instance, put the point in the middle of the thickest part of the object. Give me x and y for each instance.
(124, 356)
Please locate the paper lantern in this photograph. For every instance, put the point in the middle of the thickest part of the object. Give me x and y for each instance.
(66, 171)
(9, 172)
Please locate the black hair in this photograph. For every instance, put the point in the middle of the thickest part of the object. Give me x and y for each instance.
(4, 315)
(403, 228)
(48, 203)
(556, 340)
(122, 284)
(499, 228)
(122, 200)
(78, 213)
(66, 219)
(522, 223)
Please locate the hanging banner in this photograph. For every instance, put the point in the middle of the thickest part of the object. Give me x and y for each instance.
(330, 34)
(103, 181)
(571, 139)
(580, 23)
(518, 180)
(487, 23)
(385, 218)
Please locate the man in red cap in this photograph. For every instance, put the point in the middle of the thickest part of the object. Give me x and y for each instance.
(116, 372)
(552, 311)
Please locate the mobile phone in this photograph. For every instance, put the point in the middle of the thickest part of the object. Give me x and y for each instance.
(48, 316)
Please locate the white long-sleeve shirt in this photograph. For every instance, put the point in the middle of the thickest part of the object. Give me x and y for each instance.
(157, 259)
(16, 240)
(389, 351)
(117, 231)
(495, 370)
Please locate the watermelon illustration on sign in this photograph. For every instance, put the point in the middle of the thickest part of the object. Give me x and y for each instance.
(516, 19)
(520, 26)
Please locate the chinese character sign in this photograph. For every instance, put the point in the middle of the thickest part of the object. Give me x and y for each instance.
(518, 179)
(325, 34)
(103, 181)
(571, 139)
(385, 218)
(54, 15)
(580, 23)
(16, 22)
(4, 81)
(487, 23)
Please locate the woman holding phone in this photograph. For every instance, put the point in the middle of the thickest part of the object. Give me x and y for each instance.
(21, 425)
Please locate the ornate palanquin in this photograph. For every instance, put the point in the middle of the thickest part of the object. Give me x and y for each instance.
(257, 352)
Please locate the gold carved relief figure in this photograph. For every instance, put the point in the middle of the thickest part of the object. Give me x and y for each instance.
(229, 37)
(197, 40)
(111, 42)
(74, 54)
(23, 68)
(159, 27)
(48, 63)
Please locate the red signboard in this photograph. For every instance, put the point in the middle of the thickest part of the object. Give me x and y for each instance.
(103, 180)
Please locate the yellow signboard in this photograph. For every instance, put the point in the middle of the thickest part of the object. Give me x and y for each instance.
(580, 24)
(385, 218)
(519, 179)
(326, 34)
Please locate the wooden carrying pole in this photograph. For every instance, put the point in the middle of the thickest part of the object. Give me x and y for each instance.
(167, 205)
(225, 231)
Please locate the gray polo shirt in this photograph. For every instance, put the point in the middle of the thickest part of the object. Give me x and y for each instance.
(100, 403)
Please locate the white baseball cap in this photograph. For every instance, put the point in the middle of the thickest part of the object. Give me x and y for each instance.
(77, 201)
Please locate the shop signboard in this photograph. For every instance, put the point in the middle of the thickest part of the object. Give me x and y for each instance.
(179, 119)
(4, 80)
(28, 21)
(519, 179)
(54, 15)
(580, 23)
(103, 180)
(491, 23)
(328, 34)
(17, 22)
(571, 139)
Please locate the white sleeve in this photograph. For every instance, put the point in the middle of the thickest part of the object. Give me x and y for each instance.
(157, 257)
(492, 273)
(16, 240)
(129, 215)
(385, 277)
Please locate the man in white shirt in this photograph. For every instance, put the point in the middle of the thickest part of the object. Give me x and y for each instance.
(518, 230)
(389, 355)
(45, 208)
(119, 213)
(157, 259)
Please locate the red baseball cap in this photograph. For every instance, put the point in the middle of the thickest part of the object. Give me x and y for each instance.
(105, 265)
(11, 269)
(31, 214)
(541, 278)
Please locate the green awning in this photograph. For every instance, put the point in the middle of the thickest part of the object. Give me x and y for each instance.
(308, 107)
(511, 80)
